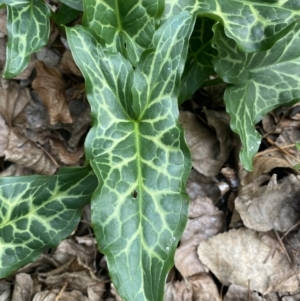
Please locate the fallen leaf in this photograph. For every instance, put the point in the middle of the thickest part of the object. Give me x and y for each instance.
(67, 64)
(64, 296)
(50, 86)
(242, 257)
(203, 145)
(24, 152)
(23, 287)
(15, 170)
(61, 154)
(239, 293)
(205, 220)
(3, 18)
(4, 133)
(276, 206)
(13, 101)
(49, 57)
(5, 291)
(2, 52)
(178, 291)
(204, 288)
(264, 164)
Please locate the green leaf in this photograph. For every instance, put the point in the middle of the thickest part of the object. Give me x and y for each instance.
(75, 4)
(28, 30)
(137, 150)
(125, 26)
(37, 212)
(261, 82)
(199, 61)
(254, 25)
(65, 15)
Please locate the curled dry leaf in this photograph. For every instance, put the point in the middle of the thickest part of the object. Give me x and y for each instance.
(50, 86)
(178, 291)
(239, 293)
(5, 292)
(4, 133)
(23, 288)
(264, 164)
(203, 144)
(13, 101)
(68, 66)
(56, 294)
(276, 206)
(242, 257)
(24, 152)
(205, 220)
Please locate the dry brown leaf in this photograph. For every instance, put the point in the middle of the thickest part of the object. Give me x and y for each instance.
(49, 57)
(204, 288)
(3, 17)
(178, 291)
(13, 101)
(5, 291)
(200, 185)
(205, 220)
(2, 52)
(60, 152)
(50, 86)
(15, 170)
(203, 145)
(69, 248)
(264, 164)
(239, 293)
(271, 207)
(243, 258)
(24, 152)
(64, 296)
(67, 64)
(4, 133)
(23, 288)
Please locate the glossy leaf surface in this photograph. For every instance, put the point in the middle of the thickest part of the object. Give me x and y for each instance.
(125, 26)
(137, 150)
(199, 61)
(75, 4)
(260, 82)
(28, 29)
(254, 25)
(38, 212)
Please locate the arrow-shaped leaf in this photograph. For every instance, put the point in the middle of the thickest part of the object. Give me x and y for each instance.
(37, 212)
(28, 29)
(137, 150)
(254, 25)
(75, 4)
(125, 26)
(198, 65)
(261, 82)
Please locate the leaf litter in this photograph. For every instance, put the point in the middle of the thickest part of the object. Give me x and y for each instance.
(241, 241)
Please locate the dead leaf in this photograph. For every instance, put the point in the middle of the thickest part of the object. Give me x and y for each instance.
(5, 290)
(64, 296)
(15, 170)
(3, 18)
(203, 145)
(202, 186)
(60, 153)
(239, 293)
(24, 152)
(264, 164)
(23, 288)
(4, 133)
(50, 86)
(204, 288)
(2, 52)
(13, 101)
(67, 64)
(275, 206)
(242, 257)
(49, 57)
(205, 220)
(178, 291)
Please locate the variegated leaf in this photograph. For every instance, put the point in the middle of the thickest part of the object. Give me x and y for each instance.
(137, 150)
(37, 212)
(254, 25)
(125, 26)
(28, 29)
(260, 82)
